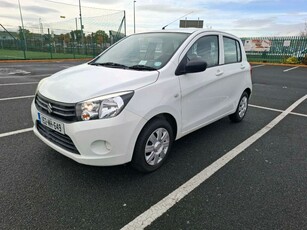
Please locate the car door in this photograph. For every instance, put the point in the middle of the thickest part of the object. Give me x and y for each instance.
(203, 94)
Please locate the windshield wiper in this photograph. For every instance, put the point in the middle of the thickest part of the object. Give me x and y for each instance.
(142, 67)
(110, 64)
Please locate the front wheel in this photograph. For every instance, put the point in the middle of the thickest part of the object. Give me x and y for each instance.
(241, 109)
(153, 146)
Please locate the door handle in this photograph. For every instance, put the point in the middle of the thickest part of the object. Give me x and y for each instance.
(219, 72)
(242, 67)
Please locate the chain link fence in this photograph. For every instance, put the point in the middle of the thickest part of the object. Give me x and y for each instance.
(65, 38)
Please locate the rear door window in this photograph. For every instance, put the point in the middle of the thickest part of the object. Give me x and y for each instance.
(232, 50)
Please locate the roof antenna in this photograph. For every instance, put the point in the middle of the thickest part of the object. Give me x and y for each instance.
(163, 28)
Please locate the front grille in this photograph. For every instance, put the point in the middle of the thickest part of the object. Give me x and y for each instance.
(65, 111)
(59, 139)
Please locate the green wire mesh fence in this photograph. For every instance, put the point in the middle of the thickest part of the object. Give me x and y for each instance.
(64, 38)
(276, 49)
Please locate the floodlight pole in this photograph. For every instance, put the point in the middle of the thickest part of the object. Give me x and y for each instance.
(81, 22)
(23, 32)
(41, 30)
(134, 13)
(76, 19)
(125, 28)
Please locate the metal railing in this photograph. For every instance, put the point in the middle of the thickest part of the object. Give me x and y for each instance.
(276, 49)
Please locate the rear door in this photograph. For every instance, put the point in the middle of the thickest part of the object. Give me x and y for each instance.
(235, 69)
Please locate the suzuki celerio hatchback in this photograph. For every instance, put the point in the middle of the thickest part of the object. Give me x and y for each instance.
(131, 102)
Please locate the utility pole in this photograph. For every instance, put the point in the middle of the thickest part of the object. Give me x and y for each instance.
(23, 32)
(134, 13)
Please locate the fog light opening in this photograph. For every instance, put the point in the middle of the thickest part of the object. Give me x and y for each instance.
(101, 147)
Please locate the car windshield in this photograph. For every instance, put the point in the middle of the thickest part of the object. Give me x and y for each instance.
(144, 52)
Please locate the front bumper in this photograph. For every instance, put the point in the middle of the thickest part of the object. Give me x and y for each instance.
(100, 142)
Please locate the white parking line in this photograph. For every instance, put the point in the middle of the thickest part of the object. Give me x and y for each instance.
(157, 210)
(22, 83)
(15, 132)
(15, 98)
(277, 110)
(27, 76)
(266, 108)
(256, 66)
(298, 114)
(286, 70)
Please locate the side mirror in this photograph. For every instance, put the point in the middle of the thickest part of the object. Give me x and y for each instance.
(192, 66)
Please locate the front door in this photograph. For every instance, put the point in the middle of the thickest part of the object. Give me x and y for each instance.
(203, 95)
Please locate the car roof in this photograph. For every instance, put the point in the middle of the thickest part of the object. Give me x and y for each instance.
(189, 31)
(183, 30)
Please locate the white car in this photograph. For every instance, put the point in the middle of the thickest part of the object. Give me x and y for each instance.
(131, 102)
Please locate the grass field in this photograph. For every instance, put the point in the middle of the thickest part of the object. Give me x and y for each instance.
(19, 54)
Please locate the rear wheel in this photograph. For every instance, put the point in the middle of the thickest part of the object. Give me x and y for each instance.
(241, 109)
(153, 146)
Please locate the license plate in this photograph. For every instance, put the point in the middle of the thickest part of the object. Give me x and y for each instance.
(51, 123)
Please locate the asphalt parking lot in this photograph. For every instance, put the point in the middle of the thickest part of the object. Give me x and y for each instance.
(263, 185)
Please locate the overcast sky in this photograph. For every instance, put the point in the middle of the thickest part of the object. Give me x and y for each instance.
(240, 17)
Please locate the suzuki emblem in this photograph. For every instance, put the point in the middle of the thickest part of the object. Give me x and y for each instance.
(49, 108)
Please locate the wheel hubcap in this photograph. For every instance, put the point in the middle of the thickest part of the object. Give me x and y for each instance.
(243, 107)
(157, 146)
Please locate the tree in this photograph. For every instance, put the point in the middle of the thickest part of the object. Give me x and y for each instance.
(65, 38)
(77, 35)
(26, 32)
(88, 38)
(101, 37)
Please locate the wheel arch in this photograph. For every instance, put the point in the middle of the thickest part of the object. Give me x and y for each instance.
(248, 91)
(169, 118)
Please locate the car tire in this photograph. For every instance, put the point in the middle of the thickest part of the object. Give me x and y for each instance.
(241, 109)
(153, 146)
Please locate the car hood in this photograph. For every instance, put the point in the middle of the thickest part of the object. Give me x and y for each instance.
(85, 81)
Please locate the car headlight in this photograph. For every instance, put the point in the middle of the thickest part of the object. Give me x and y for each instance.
(103, 107)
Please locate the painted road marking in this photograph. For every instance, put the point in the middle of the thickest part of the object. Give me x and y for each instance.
(266, 108)
(256, 66)
(286, 70)
(12, 71)
(157, 210)
(298, 114)
(15, 132)
(15, 98)
(277, 110)
(24, 83)
(27, 76)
